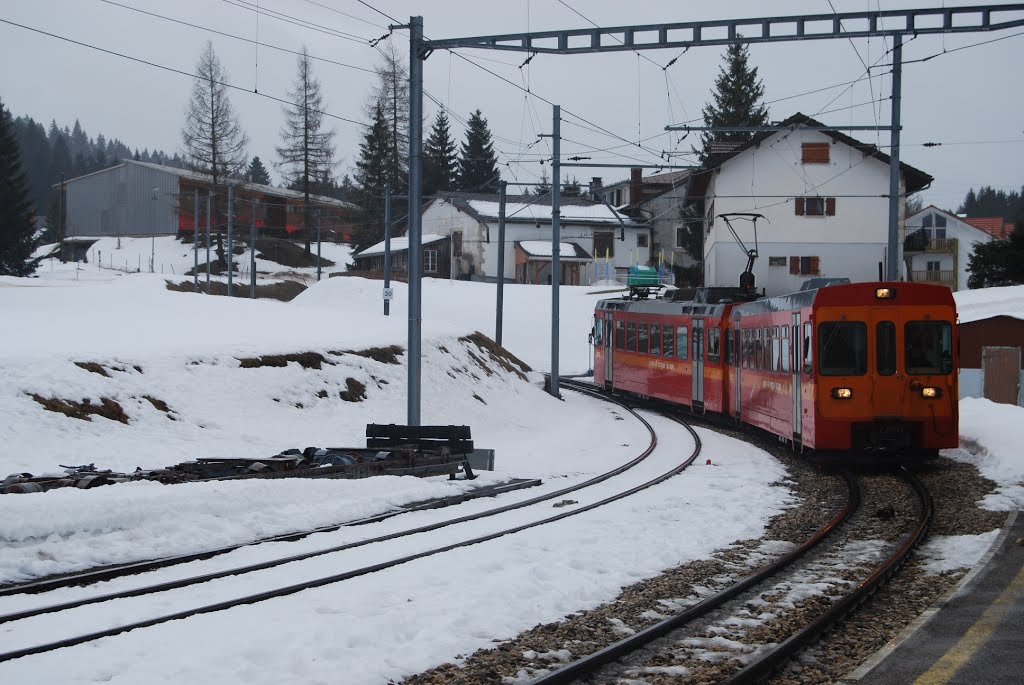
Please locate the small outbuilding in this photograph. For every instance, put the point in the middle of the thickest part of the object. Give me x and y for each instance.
(991, 342)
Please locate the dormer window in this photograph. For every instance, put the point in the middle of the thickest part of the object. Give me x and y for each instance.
(815, 153)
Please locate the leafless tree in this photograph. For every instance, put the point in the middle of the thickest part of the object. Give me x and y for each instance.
(392, 95)
(307, 150)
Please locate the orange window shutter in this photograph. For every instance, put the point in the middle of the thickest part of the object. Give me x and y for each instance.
(798, 204)
(830, 206)
(815, 262)
(794, 265)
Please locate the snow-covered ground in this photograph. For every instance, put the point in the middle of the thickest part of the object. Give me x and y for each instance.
(183, 350)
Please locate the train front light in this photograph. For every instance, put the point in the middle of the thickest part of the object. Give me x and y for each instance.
(842, 393)
(931, 393)
(885, 293)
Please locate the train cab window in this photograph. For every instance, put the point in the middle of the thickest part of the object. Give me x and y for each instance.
(669, 349)
(714, 344)
(808, 348)
(643, 344)
(785, 349)
(630, 336)
(655, 338)
(842, 348)
(885, 348)
(928, 347)
(682, 342)
(598, 332)
(620, 335)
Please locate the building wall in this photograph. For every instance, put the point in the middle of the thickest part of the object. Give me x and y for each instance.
(849, 244)
(126, 200)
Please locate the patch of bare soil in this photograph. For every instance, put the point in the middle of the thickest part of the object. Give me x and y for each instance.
(384, 355)
(285, 291)
(356, 391)
(107, 408)
(94, 367)
(499, 355)
(289, 254)
(307, 360)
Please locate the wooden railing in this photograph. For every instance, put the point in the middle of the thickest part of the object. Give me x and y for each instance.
(941, 276)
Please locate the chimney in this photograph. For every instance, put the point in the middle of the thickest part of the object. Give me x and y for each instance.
(595, 188)
(635, 186)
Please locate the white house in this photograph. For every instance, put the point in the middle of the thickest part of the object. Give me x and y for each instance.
(938, 246)
(597, 242)
(824, 200)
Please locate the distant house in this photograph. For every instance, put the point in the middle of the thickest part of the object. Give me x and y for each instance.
(596, 242)
(995, 226)
(824, 196)
(991, 338)
(144, 199)
(938, 245)
(656, 200)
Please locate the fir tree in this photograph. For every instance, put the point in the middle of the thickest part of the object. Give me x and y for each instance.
(257, 173)
(478, 165)
(440, 158)
(736, 101)
(392, 95)
(999, 262)
(17, 224)
(545, 184)
(370, 177)
(307, 152)
(571, 188)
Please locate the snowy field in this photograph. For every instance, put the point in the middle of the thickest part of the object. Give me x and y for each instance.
(183, 349)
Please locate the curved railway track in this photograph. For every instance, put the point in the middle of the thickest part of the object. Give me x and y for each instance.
(12, 620)
(714, 629)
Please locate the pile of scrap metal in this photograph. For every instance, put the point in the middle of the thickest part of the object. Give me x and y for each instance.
(391, 450)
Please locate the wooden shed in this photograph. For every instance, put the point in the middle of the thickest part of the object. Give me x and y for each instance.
(992, 359)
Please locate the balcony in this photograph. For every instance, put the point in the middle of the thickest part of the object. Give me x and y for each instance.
(919, 241)
(939, 277)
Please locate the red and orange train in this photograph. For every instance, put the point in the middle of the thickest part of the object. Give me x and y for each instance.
(857, 366)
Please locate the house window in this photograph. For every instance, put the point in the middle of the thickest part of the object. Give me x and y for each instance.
(815, 206)
(815, 153)
(940, 227)
(641, 240)
(805, 266)
(618, 197)
(709, 218)
(776, 261)
(604, 245)
(430, 261)
(680, 236)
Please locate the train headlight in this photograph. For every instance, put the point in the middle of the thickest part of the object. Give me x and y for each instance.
(885, 293)
(842, 393)
(931, 393)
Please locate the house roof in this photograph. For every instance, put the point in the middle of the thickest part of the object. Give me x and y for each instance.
(993, 225)
(915, 178)
(199, 177)
(541, 250)
(400, 244)
(932, 209)
(533, 209)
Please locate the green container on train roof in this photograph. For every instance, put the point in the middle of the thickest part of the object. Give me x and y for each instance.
(643, 275)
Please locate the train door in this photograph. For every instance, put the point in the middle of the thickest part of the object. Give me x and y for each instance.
(698, 361)
(796, 369)
(609, 345)
(739, 349)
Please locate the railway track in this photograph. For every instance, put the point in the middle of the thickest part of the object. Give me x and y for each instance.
(747, 631)
(51, 619)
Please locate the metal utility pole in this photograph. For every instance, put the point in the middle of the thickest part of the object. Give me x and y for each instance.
(387, 249)
(231, 244)
(556, 229)
(195, 241)
(892, 255)
(63, 217)
(317, 244)
(503, 194)
(252, 253)
(416, 57)
(209, 211)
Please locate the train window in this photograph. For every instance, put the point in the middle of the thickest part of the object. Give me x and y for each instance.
(598, 332)
(758, 352)
(776, 350)
(669, 350)
(808, 348)
(714, 338)
(620, 335)
(842, 348)
(642, 341)
(767, 349)
(928, 347)
(698, 344)
(785, 349)
(682, 342)
(885, 348)
(746, 348)
(655, 338)
(630, 336)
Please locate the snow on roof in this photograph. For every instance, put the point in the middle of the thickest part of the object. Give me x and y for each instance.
(985, 303)
(595, 213)
(400, 244)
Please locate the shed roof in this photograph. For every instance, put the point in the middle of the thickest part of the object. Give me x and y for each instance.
(400, 244)
(986, 303)
(533, 208)
(541, 250)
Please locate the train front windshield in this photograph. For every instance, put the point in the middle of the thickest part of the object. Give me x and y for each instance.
(928, 347)
(842, 348)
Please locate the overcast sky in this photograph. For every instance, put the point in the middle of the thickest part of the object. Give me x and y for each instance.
(969, 100)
